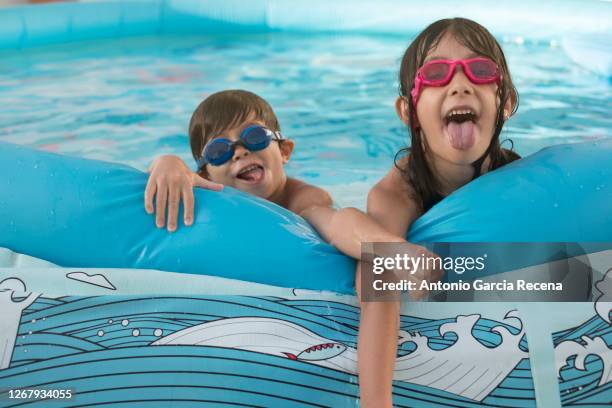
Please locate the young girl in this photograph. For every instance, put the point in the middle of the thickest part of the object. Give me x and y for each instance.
(455, 95)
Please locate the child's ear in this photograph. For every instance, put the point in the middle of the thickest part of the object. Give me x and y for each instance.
(286, 148)
(401, 108)
(510, 105)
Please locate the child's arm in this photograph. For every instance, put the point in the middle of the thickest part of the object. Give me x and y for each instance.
(388, 203)
(344, 228)
(170, 180)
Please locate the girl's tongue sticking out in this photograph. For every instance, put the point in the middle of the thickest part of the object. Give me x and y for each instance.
(460, 128)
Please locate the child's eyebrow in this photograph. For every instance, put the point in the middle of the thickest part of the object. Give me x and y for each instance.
(249, 123)
(222, 133)
(217, 135)
(442, 57)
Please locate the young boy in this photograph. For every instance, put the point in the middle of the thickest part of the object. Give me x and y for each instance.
(235, 138)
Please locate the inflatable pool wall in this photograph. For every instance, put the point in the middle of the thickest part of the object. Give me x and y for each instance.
(121, 342)
(60, 23)
(265, 351)
(84, 213)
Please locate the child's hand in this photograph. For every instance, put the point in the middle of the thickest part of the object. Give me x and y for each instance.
(427, 271)
(170, 180)
(429, 274)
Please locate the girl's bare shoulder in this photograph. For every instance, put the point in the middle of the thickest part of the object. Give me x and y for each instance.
(392, 201)
(394, 184)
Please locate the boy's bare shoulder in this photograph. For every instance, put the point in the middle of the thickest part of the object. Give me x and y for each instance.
(301, 196)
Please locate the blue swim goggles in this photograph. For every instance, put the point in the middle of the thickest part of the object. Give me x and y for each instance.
(253, 138)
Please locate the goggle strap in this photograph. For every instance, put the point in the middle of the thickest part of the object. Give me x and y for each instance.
(276, 133)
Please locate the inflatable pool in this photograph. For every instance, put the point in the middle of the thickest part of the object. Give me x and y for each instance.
(124, 314)
(89, 214)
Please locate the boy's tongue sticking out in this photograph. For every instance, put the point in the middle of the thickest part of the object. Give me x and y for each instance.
(252, 173)
(460, 128)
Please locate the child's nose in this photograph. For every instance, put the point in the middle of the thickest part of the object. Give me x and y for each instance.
(460, 84)
(240, 152)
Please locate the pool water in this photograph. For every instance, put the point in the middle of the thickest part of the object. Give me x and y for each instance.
(129, 100)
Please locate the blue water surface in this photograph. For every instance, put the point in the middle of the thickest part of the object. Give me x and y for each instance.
(129, 100)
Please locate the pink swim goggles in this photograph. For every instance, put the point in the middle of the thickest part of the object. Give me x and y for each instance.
(479, 71)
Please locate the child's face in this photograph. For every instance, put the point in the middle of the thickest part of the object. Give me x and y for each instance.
(260, 172)
(449, 140)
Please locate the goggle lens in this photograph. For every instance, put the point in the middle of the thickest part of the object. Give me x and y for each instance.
(217, 150)
(483, 69)
(257, 138)
(436, 71)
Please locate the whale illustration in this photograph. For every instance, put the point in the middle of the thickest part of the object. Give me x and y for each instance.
(467, 367)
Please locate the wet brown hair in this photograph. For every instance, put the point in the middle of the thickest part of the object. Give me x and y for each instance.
(478, 39)
(224, 110)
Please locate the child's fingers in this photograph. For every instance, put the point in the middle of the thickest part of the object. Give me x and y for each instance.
(207, 184)
(173, 207)
(188, 204)
(148, 195)
(418, 292)
(160, 205)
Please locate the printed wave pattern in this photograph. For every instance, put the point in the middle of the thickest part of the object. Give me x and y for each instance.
(256, 351)
(584, 355)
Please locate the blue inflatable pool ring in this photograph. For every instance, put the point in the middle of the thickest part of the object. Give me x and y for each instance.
(560, 194)
(85, 213)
